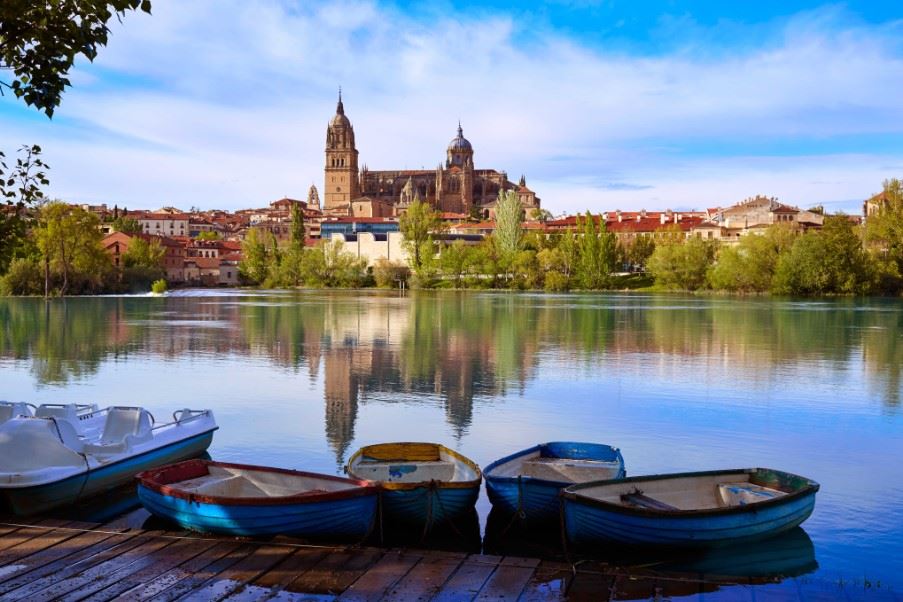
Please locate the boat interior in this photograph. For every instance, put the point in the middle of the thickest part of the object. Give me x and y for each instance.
(410, 463)
(703, 492)
(562, 470)
(222, 481)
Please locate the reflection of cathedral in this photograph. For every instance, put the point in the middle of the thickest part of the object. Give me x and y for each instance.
(457, 186)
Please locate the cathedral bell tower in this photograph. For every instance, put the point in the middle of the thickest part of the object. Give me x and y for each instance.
(341, 184)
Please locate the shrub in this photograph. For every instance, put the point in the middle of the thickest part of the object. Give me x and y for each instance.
(159, 286)
(24, 277)
(388, 273)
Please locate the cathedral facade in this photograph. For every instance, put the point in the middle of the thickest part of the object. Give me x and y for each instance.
(455, 186)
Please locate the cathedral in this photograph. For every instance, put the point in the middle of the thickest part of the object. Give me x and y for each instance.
(453, 187)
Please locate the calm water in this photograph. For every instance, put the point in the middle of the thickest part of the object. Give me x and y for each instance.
(302, 379)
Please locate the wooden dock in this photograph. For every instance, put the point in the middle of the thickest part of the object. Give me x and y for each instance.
(54, 559)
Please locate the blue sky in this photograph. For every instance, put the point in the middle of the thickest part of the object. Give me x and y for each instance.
(603, 105)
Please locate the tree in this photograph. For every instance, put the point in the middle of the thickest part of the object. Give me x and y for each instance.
(750, 265)
(638, 250)
(68, 239)
(255, 261)
(20, 190)
(417, 225)
(144, 253)
(884, 234)
(596, 252)
(297, 229)
(40, 41)
(509, 217)
(126, 225)
(208, 235)
(677, 264)
(454, 261)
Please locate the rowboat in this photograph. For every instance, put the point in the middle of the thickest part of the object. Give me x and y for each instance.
(528, 482)
(257, 501)
(688, 509)
(421, 483)
(53, 455)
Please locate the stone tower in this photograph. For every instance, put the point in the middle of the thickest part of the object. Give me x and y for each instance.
(460, 154)
(313, 197)
(341, 184)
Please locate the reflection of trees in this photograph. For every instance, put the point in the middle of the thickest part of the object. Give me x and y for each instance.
(454, 347)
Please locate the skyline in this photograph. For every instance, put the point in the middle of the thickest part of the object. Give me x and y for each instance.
(601, 106)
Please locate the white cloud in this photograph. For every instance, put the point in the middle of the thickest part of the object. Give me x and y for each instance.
(224, 103)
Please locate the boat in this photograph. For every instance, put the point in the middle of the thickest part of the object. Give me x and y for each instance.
(528, 482)
(687, 509)
(259, 501)
(53, 455)
(421, 484)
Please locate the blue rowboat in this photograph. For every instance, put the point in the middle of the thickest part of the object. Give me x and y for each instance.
(528, 482)
(422, 484)
(257, 501)
(688, 509)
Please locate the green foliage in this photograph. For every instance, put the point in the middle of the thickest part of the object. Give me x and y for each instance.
(596, 252)
(750, 265)
(208, 235)
(68, 239)
(509, 217)
(456, 260)
(159, 286)
(638, 250)
(24, 277)
(256, 256)
(417, 225)
(826, 261)
(328, 265)
(20, 190)
(681, 265)
(390, 274)
(884, 236)
(126, 225)
(297, 228)
(39, 42)
(144, 253)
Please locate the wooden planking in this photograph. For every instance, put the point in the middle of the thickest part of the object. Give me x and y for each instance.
(186, 570)
(468, 580)
(335, 573)
(108, 572)
(260, 560)
(509, 579)
(374, 584)
(199, 577)
(424, 580)
(277, 578)
(25, 533)
(156, 564)
(33, 584)
(46, 561)
(549, 582)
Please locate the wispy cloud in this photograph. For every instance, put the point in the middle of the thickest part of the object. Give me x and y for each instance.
(225, 104)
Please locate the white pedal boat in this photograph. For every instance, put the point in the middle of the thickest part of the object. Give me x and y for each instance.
(54, 454)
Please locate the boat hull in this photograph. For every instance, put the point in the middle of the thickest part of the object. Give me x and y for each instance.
(588, 523)
(536, 500)
(428, 504)
(350, 518)
(27, 501)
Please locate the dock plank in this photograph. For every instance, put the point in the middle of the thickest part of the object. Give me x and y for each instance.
(277, 578)
(377, 580)
(106, 573)
(335, 573)
(194, 579)
(468, 580)
(25, 533)
(425, 580)
(167, 579)
(153, 566)
(549, 582)
(262, 559)
(509, 579)
(69, 567)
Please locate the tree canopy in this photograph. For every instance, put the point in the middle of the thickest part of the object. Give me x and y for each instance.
(40, 41)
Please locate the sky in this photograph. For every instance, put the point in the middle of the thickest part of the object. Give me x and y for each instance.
(603, 105)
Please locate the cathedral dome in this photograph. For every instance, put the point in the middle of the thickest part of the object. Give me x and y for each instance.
(340, 119)
(459, 142)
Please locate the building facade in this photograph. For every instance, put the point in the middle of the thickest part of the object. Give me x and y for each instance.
(456, 186)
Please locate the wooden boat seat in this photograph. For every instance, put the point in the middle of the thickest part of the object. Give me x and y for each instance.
(401, 471)
(568, 469)
(741, 494)
(640, 500)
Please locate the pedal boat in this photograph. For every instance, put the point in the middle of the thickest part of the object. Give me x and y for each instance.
(259, 501)
(53, 455)
(422, 484)
(695, 509)
(527, 483)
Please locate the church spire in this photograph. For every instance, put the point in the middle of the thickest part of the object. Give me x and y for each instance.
(340, 108)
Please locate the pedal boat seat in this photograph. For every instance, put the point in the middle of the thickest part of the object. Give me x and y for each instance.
(123, 428)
